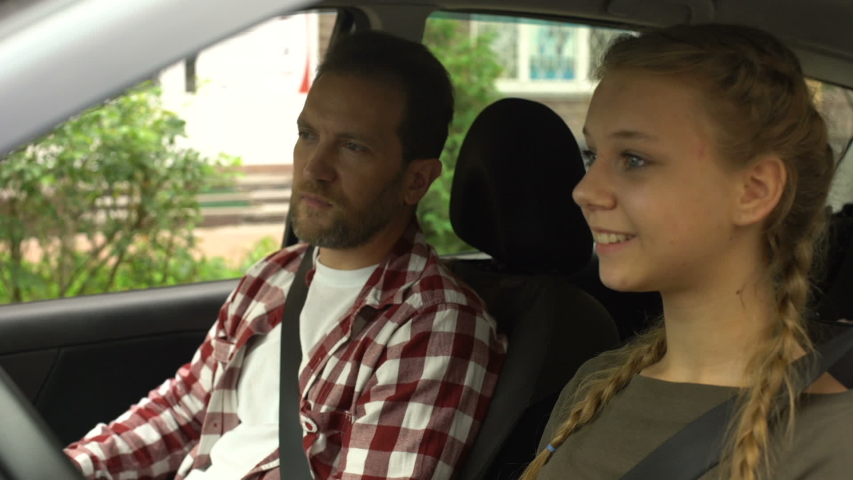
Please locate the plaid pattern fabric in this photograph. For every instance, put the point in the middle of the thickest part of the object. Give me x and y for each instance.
(397, 390)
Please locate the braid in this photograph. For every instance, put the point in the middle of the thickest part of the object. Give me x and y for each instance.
(771, 395)
(643, 352)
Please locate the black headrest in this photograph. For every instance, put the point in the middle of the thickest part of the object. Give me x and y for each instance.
(512, 189)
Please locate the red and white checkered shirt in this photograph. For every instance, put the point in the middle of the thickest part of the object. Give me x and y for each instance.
(397, 390)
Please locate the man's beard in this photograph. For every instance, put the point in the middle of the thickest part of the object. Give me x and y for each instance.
(348, 229)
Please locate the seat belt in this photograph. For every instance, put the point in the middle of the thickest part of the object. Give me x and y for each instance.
(291, 453)
(697, 448)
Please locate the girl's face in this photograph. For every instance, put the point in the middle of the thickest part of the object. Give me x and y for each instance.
(657, 196)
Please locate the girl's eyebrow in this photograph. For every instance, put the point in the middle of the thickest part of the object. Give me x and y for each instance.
(633, 134)
(627, 134)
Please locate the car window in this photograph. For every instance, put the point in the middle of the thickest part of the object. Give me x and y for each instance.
(183, 178)
(491, 57)
(836, 105)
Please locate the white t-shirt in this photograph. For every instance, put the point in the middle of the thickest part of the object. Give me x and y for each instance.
(331, 295)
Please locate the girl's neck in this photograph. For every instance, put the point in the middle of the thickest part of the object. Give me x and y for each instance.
(712, 335)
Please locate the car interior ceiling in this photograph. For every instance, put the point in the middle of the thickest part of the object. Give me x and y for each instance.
(822, 42)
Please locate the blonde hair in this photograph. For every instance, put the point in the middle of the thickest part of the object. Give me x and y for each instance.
(757, 97)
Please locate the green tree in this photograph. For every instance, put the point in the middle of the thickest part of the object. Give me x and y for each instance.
(105, 202)
(473, 68)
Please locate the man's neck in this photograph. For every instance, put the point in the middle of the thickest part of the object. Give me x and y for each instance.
(371, 253)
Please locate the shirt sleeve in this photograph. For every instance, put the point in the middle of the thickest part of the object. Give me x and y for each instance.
(152, 438)
(419, 414)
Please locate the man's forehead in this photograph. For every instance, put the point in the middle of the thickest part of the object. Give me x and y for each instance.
(342, 122)
(352, 103)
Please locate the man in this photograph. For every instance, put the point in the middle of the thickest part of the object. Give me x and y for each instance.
(399, 357)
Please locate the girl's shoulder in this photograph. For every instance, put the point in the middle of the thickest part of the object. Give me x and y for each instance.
(823, 434)
(591, 369)
(598, 365)
(822, 413)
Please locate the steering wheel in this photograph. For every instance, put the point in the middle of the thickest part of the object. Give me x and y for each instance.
(28, 448)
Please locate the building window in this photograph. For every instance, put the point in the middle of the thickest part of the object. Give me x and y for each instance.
(538, 56)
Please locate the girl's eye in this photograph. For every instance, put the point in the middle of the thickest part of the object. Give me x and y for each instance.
(588, 158)
(633, 161)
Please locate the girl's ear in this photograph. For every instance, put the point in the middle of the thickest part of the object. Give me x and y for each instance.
(761, 186)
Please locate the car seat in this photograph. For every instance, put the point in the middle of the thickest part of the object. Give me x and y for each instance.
(512, 199)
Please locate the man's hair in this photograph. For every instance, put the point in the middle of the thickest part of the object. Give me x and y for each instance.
(424, 81)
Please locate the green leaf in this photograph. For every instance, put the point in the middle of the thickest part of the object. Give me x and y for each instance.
(474, 69)
(111, 201)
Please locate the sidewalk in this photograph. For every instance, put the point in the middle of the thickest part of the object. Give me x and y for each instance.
(233, 242)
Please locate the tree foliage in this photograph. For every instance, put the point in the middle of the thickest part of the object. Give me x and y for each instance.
(473, 68)
(105, 202)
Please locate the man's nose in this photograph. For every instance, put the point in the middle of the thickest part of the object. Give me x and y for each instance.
(595, 190)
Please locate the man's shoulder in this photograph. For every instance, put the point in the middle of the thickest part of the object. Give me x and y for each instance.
(260, 291)
(273, 272)
(285, 260)
(437, 300)
(434, 284)
(438, 284)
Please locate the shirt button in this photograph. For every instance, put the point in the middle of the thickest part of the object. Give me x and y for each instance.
(309, 425)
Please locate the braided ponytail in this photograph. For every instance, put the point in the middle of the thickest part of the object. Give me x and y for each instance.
(771, 396)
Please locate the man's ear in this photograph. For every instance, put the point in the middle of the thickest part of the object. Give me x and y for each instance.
(419, 176)
(761, 186)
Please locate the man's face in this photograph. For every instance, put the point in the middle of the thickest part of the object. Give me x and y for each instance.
(348, 161)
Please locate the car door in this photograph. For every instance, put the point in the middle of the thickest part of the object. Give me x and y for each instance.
(85, 359)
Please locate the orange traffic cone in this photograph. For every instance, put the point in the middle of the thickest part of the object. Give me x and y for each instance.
(306, 79)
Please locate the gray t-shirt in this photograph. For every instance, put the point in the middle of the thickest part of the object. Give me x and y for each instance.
(649, 411)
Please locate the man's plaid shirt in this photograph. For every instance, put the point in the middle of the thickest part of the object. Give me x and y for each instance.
(397, 390)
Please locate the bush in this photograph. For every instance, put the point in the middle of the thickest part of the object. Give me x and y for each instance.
(178, 270)
(105, 202)
(473, 68)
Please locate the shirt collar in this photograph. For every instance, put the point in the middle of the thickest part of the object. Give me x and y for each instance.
(400, 269)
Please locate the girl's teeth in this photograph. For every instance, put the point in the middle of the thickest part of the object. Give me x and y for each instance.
(606, 238)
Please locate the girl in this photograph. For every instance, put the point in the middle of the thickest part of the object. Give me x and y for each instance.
(709, 172)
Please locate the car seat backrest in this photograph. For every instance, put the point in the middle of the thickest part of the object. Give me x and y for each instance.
(511, 198)
(833, 304)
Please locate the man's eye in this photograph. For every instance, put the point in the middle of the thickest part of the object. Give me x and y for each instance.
(354, 147)
(304, 135)
(588, 158)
